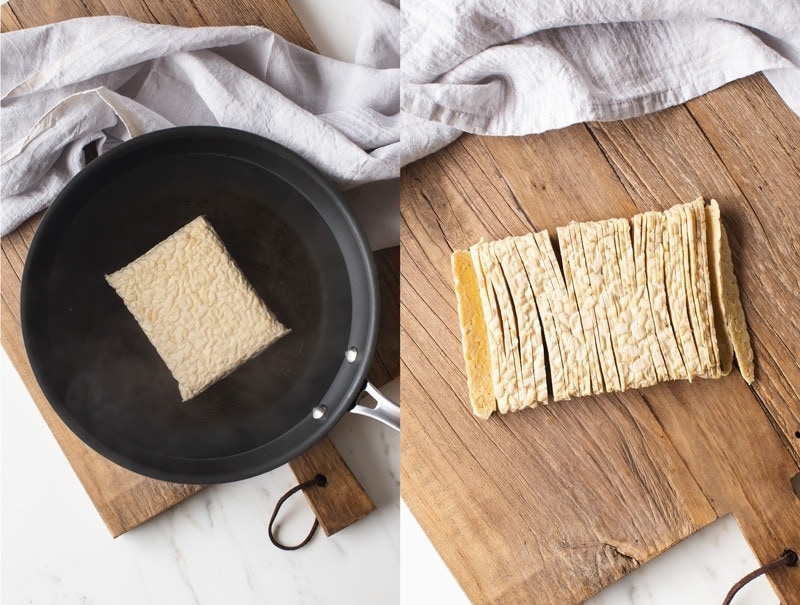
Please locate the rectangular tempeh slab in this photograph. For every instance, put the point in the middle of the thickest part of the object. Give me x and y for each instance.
(196, 307)
(631, 304)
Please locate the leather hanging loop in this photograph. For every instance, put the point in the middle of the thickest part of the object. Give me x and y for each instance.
(319, 480)
(788, 558)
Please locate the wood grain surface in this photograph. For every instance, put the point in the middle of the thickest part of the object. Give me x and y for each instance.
(573, 495)
(125, 499)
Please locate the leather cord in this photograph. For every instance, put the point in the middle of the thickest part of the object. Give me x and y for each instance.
(320, 481)
(789, 558)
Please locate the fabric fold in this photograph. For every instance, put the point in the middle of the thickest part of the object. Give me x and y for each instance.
(515, 67)
(109, 79)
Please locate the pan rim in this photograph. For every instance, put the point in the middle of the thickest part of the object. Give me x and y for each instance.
(358, 254)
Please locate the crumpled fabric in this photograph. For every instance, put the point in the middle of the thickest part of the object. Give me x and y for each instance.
(515, 67)
(105, 80)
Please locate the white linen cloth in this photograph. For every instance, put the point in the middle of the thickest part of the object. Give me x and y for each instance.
(513, 67)
(499, 67)
(108, 79)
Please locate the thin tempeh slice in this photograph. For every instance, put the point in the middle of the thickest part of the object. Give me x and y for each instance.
(643, 295)
(576, 277)
(654, 253)
(690, 277)
(594, 263)
(474, 336)
(727, 302)
(494, 330)
(510, 325)
(693, 364)
(724, 345)
(634, 349)
(533, 378)
(612, 295)
(678, 289)
(509, 340)
(568, 322)
(702, 283)
(535, 269)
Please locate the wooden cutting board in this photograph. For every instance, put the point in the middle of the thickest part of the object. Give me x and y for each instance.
(552, 504)
(125, 499)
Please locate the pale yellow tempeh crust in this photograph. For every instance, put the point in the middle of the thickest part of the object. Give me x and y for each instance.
(474, 337)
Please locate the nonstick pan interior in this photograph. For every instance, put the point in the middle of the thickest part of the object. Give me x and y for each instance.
(295, 241)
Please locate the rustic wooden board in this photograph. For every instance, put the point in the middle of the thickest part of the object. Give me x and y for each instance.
(125, 499)
(573, 495)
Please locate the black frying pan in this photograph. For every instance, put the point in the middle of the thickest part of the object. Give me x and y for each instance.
(297, 243)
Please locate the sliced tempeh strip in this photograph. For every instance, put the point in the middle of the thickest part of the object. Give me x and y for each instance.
(533, 379)
(535, 269)
(713, 236)
(474, 336)
(654, 252)
(693, 364)
(634, 349)
(594, 263)
(727, 301)
(678, 289)
(510, 367)
(568, 322)
(659, 225)
(703, 285)
(612, 296)
(643, 294)
(576, 277)
(494, 329)
(697, 368)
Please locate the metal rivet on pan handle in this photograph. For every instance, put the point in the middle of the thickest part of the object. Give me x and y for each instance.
(351, 354)
(319, 411)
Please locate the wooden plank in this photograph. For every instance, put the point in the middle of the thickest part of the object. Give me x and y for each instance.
(8, 20)
(276, 15)
(754, 171)
(586, 490)
(488, 465)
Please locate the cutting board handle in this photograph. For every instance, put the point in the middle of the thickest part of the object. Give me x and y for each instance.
(342, 501)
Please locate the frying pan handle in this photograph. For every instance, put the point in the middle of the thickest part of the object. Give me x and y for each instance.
(385, 410)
